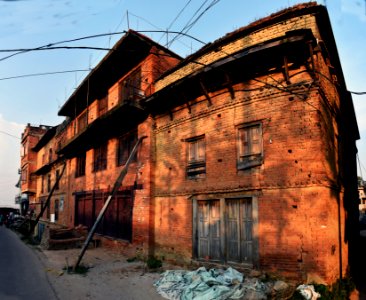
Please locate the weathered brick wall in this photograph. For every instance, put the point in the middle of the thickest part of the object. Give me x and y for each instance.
(298, 232)
(297, 202)
(173, 228)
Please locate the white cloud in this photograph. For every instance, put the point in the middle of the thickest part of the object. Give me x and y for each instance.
(10, 133)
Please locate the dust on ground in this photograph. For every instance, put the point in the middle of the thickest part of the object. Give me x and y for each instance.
(109, 275)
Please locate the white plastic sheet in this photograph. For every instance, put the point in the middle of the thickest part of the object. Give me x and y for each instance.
(205, 284)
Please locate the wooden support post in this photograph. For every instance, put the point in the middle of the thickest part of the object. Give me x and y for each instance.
(286, 73)
(116, 186)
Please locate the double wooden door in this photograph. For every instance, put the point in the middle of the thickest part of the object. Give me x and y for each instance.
(225, 230)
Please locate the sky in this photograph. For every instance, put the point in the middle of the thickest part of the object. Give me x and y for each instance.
(26, 24)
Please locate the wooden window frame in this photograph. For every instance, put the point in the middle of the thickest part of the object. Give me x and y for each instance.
(82, 121)
(248, 158)
(130, 87)
(80, 165)
(42, 184)
(102, 106)
(48, 183)
(125, 145)
(57, 175)
(100, 158)
(196, 157)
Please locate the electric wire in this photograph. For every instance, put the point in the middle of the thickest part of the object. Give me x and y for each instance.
(176, 18)
(185, 26)
(9, 134)
(43, 74)
(54, 44)
(191, 24)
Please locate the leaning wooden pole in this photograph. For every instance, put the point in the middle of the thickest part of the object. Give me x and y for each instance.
(116, 186)
(33, 225)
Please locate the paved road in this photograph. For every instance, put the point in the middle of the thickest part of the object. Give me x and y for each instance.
(22, 275)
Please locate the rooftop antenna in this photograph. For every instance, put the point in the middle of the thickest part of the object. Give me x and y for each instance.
(128, 20)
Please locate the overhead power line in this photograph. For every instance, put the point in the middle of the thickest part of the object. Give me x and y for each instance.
(9, 134)
(43, 74)
(52, 46)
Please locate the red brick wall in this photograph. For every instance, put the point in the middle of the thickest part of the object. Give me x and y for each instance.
(297, 202)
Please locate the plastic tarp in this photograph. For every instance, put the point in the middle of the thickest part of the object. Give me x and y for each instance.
(205, 284)
(308, 292)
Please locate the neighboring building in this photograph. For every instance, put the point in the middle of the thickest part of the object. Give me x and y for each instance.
(28, 162)
(249, 155)
(49, 167)
(361, 195)
(104, 120)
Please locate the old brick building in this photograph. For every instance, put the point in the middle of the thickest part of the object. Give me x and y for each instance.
(249, 155)
(103, 121)
(28, 161)
(255, 150)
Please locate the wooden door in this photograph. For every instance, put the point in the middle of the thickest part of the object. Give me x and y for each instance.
(239, 231)
(209, 230)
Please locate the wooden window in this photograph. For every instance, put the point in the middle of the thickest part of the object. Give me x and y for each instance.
(50, 155)
(196, 157)
(100, 158)
(130, 87)
(56, 209)
(42, 184)
(250, 149)
(57, 175)
(125, 146)
(48, 183)
(102, 106)
(82, 121)
(80, 165)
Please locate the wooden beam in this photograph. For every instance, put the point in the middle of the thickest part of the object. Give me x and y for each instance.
(229, 86)
(205, 92)
(286, 73)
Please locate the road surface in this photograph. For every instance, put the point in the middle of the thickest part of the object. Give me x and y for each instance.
(22, 275)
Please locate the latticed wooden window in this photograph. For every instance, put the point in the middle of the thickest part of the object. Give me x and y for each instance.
(102, 106)
(100, 158)
(125, 146)
(82, 121)
(80, 165)
(250, 149)
(130, 87)
(196, 167)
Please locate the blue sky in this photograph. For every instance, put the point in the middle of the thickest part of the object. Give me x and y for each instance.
(33, 23)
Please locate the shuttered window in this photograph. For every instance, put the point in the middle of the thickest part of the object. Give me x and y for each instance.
(82, 121)
(130, 87)
(102, 106)
(125, 146)
(196, 157)
(250, 150)
(100, 158)
(80, 165)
